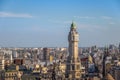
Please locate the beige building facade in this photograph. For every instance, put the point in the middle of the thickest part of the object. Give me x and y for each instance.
(73, 62)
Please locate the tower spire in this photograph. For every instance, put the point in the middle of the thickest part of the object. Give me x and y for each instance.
(73, 25)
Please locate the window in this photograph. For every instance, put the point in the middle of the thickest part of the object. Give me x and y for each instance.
(68, 67)
(73, 67)
(6, 75)
(78, 74)
(78, 67)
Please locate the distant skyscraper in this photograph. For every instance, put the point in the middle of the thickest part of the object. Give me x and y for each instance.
(46, 53)
(73, 62)
(35, 55)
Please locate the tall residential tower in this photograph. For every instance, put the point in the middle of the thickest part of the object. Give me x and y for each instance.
(73, 62)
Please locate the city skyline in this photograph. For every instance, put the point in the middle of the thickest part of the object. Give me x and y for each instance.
(46, 23)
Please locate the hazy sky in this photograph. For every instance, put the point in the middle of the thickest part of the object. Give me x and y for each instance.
(46, 23)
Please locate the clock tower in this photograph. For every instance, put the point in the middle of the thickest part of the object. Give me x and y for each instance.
(73, 61)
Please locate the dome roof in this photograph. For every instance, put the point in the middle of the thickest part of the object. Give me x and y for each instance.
(73, 25)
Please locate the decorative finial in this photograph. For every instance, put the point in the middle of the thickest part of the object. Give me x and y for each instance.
(73, 25)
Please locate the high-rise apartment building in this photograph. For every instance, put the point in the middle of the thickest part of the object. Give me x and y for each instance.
(46, 52)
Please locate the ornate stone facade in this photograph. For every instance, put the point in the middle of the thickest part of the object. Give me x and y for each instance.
(73, 62)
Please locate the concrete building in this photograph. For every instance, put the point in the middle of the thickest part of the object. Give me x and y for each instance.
(19, 61)
(11, 58)
(117, 74)
(35, 55)
(73, 63)
(2, 62)
(46, 52)
(12, 74)
(15, 54)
